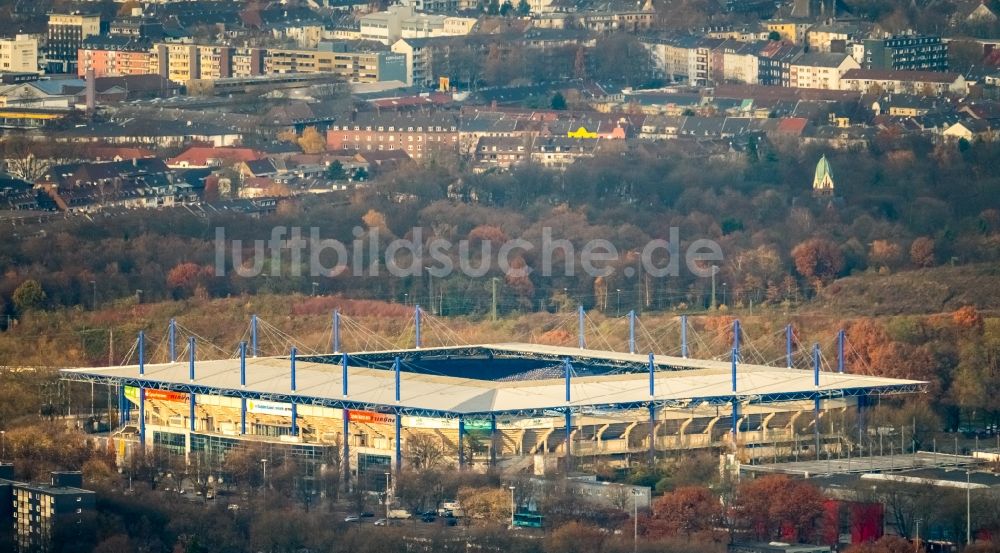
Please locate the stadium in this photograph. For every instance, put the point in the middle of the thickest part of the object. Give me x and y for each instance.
(510, 406)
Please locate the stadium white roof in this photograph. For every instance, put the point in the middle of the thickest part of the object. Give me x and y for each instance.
(678, 382)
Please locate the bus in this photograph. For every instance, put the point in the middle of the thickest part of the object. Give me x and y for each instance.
(528, 520)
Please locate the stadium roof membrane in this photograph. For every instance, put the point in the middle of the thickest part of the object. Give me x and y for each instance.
(511, 378)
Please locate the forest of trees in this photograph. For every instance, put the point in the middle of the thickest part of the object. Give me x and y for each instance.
(905, 203)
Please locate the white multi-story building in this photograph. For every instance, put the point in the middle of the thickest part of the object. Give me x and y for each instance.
(19, 54)
(820, 70)
(403, 22)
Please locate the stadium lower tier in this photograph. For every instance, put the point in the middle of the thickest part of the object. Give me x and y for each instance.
(212, 426)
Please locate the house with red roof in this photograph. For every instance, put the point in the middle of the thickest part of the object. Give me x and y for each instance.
(201, 157)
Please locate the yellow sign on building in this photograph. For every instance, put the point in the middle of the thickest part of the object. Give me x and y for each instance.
(582, 132)
(444, 84)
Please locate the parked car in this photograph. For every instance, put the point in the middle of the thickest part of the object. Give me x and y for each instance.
(352, 518)
(428, 518)
(381, 522)
(367, 514)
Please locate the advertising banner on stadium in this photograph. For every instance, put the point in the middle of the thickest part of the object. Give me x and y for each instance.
(510, 423)
(443, 423)
(262, 407)
(132, 393)
(355, 415)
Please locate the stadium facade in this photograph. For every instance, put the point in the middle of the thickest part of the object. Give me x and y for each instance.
(510, 406)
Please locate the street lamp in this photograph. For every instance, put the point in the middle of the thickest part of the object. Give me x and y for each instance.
(619, 313)
(263, 463)
(512, 505)
(715, 269)
(387, 475)
(725, 286)
(94, 305)
(968, 507)
(430, 289)
(3, 438)
(635, 520)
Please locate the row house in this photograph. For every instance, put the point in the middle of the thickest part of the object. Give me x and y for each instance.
(494, 125)
(774, 63)
(420, 136)
(92, 186)
(559, 152)
(552, 152)
(926, 83)
(661, 127)
(602, 18)
(500, 153)
(702, 61)
(791, 30)
(737, 62)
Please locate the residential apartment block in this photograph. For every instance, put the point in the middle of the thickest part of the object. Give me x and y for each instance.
(39, 512)
(66, 33)
(115, 56)
(417, 135)
(361, 67)
(906, 53)
(182, 63)
(820, 70)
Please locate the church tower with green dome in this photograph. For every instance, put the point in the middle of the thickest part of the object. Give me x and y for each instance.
(823, 180)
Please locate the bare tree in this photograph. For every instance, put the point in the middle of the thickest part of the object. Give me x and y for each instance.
(424, 451)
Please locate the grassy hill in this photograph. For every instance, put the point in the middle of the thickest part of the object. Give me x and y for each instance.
(922, 291)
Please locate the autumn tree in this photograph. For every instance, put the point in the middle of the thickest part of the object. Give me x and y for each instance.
(969, 318)
(575, 537)
(818, 260)
(485, 504)
(187, 277)
(977, 376)
(922, 252)
(312, 141)
(29, 295)
(884, 254)
(778, 507)
(686, 511)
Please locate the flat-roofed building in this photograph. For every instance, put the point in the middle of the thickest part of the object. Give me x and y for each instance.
(822, 71)
(115, 56)
(39, 512)
(66, 33)
(19, 54)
